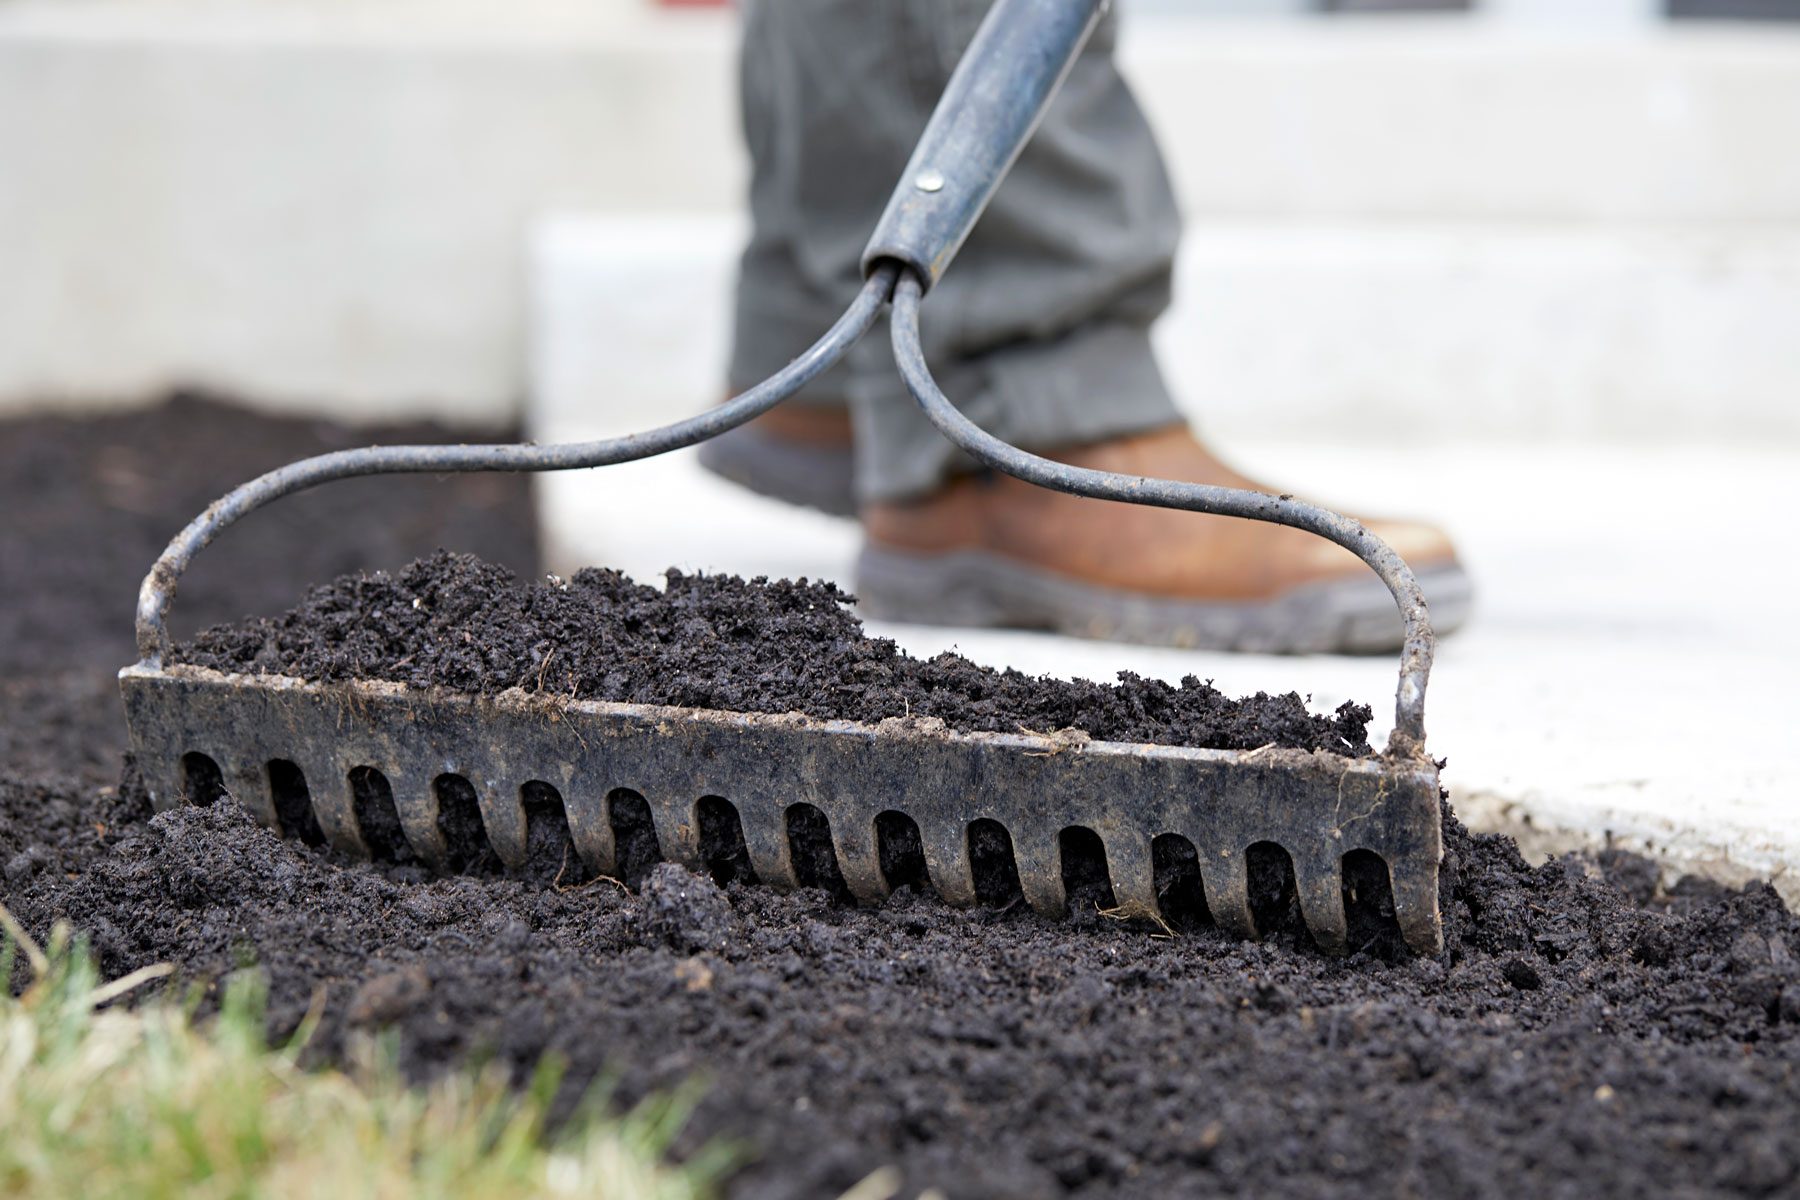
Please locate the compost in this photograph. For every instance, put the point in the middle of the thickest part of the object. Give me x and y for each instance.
(717, 641)
(1587, 1033)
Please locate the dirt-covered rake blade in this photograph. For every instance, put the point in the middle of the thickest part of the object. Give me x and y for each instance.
(1318, 807)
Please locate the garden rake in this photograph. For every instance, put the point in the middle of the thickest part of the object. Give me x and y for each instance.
(290, 750)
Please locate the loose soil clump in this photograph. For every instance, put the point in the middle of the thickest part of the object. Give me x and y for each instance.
(1586, 1034)
(717, 641)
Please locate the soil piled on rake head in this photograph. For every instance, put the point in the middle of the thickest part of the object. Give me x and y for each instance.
(720, 642)
(1587, 1033)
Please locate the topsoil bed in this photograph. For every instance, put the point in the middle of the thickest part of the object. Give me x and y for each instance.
(1585, 1034)
(719, 642)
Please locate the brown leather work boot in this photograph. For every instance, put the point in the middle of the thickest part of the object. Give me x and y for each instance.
(801, 454)
(995, 551)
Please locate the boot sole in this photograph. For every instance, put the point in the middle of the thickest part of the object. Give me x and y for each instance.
(816, 477)
(977, 589)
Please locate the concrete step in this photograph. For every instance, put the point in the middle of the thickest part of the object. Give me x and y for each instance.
(320, 205)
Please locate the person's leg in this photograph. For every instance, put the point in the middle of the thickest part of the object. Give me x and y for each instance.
(1050, 301)
(794, 278)
(1039, 331)
(812, 99)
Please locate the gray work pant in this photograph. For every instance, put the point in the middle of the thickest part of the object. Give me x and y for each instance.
(1039, 331)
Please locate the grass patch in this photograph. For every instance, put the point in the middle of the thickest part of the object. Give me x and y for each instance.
(148, 1102)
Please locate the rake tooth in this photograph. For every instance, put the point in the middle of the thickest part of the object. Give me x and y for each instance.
(677, 822)
(837, 783)
(1416, 903)
(502, 813)
(1319, 880)
(416, 805)
(946, 846)
(859, 858)
(1039, 859)
(328, 787)
(161, 773)
(590, 825)
(247, 782)
(1225, 876)
(766, 840)
(1129, 865)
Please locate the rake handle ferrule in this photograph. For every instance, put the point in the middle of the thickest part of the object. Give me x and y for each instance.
(989, 109)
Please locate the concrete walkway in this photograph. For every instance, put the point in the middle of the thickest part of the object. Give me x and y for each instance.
(1628, 676)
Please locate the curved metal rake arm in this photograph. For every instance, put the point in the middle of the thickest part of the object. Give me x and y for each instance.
(1415, 656)
(994, 100)
(157, 592)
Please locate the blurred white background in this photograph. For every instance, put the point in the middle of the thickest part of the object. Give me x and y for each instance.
(1576, 217)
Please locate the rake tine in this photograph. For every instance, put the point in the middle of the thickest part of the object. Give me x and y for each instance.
(590, 825)
(1038, 854)
(502, 813)
(677, 822)
(765, 837)
(1225, 877)
(247, 779)
(491, 774)
(1416, 904)
(416, 804)
(859, 859)
(1133, 875)
(1319, 880)
(333, 802)
(946, 846)
(162, 777)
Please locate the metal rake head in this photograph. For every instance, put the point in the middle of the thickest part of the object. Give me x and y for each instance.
(290, 751)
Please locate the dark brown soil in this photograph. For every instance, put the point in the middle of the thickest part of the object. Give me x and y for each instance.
(717, 641)
(1584, 1036)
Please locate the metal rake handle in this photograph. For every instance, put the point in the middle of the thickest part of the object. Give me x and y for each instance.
(995, 99)
(157, 592)
(993, 102)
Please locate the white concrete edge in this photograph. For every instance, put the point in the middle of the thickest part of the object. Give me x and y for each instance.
(1545, 826)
